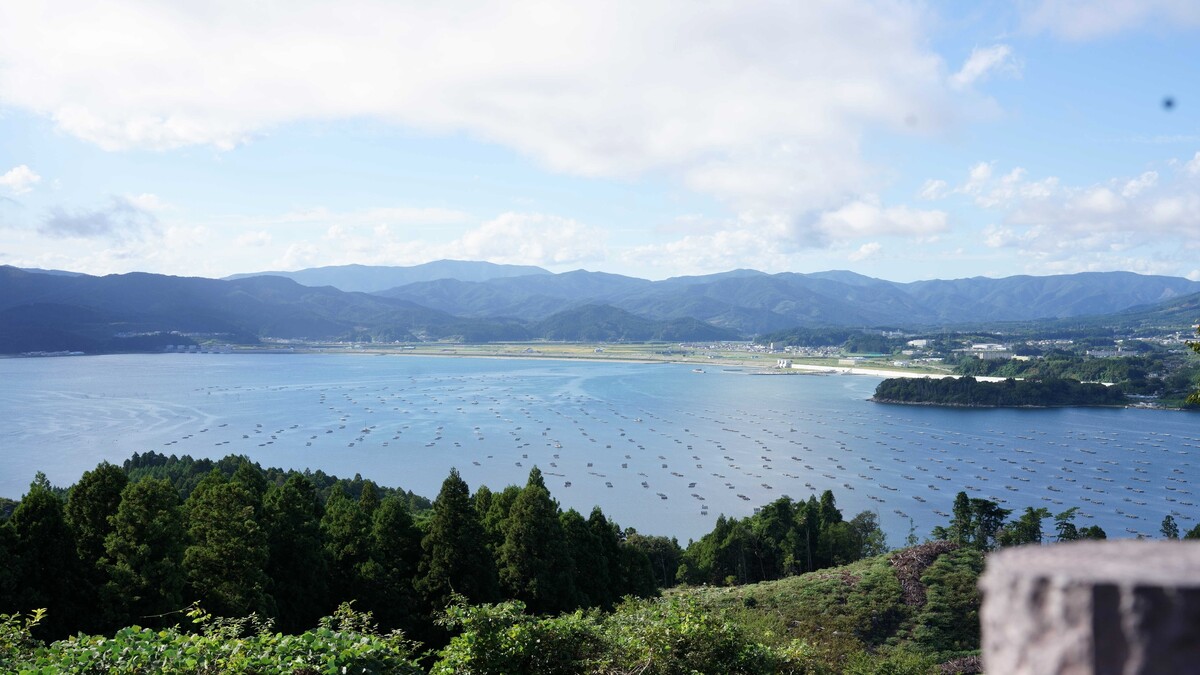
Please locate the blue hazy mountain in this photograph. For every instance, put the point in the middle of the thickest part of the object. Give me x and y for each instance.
(140, 312)
(367, 278)
(751, 302)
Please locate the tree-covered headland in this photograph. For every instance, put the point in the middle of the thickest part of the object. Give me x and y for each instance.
(969, 392)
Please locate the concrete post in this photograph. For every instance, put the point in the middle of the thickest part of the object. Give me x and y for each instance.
(1096, 607)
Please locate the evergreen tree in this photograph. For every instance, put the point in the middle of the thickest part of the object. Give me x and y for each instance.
(775, 527)
(1064, 525)
(731, 554)
(833, 541)
(1025, 530)
(637, 572)
(249, 476)
(495, 519)
(296, 561)
(483, 501)
(976, 522)
(988, 518)
(346, 530)
(455, 558)
(91, 503)
(589, 564)
(144, 555)
(395, 551)
(829, 510)
(9, 568)
(534, 562)
(1170, 530)
(663, 553)
(961, 527)
(837, 545)
(809, 523)
(47, 570)
(869, 539)
(226, 559)
(608, 537)
(368, 498)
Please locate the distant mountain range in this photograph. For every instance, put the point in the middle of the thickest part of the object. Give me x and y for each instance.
(369, 279)
(751, 302)
(482, 302)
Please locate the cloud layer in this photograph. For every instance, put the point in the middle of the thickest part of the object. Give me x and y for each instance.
(762, 105)
(1092, 19)
(19, 180)
(1149, 222)
(121, 219)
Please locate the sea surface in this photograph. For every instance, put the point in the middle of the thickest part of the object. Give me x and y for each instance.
(659, 447)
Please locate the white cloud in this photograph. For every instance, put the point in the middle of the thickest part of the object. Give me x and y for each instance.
(1090, 19)
(867, 250)
(771, 242)
(933, 190)
(867, 218)
(1136, 186)
(396, 215)
(1193, 165)
(530, 239)
(1011, 187)
(514, 238)
(1097, 201)
(147, 202)
(1062, 227)
(762, 105)
(256, 239)
(982, 63)
(706, 253)
(978, 176)
(19, 180)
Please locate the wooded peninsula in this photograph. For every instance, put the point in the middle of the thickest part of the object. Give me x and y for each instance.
(967, 392)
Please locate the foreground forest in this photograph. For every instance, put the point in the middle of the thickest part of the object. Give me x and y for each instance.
(200, 566)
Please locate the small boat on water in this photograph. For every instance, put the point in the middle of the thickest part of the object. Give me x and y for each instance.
(697, 370)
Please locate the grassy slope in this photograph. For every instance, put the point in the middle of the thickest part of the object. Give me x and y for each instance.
(926, 603)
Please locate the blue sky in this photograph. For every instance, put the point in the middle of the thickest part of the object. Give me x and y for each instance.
(896, 139)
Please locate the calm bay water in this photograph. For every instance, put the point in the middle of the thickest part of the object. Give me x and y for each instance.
(657, 446)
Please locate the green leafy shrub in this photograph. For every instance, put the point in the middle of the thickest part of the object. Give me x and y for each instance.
(347, 642)
(502, 639)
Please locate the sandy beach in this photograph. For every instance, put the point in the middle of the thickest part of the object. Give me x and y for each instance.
(881, 372)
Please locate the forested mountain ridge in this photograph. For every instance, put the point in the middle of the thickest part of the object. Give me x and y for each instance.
(144, 312)
(94, 309)
(751, 302)
(603, 323)
(370, 278)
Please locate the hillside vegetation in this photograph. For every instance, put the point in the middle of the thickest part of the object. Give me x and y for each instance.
(170, 564)
(905, 612)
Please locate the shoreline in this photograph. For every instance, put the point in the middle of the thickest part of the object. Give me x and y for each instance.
(752, 365)
(973, 406)
(882, 372)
